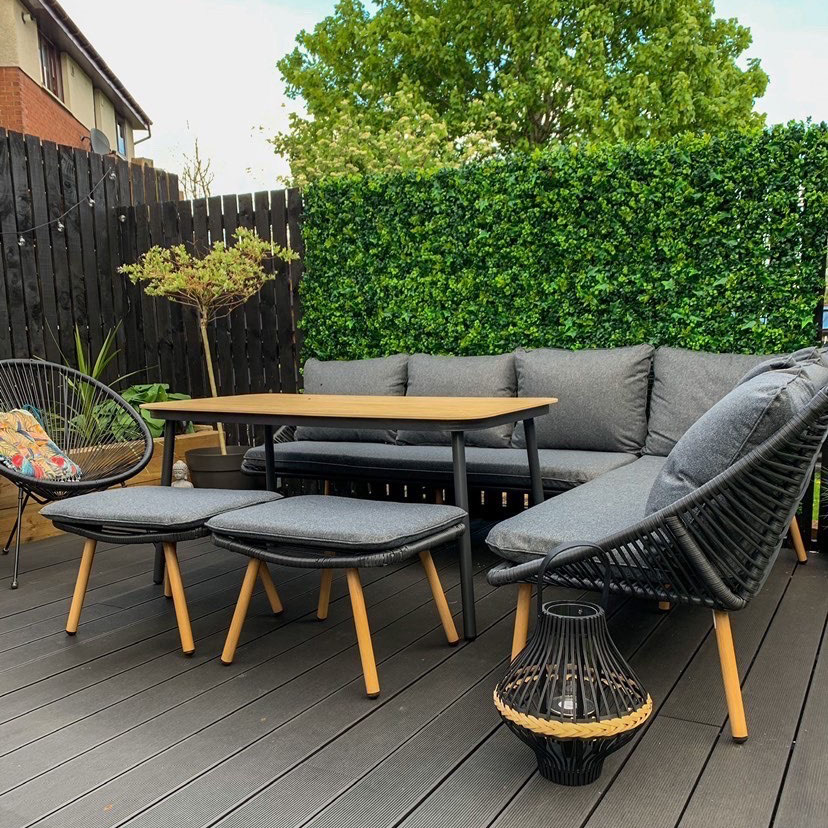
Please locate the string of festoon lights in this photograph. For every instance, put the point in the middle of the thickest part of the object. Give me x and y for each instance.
(58, 220)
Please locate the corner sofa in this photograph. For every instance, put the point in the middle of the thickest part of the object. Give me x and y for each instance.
(620, 412)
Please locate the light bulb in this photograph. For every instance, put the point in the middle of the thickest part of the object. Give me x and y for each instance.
(112, 175)
(91, 201)
(566, 706)
(21, 241)
(60, 227)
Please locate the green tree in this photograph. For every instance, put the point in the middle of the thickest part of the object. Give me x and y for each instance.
(508, 75)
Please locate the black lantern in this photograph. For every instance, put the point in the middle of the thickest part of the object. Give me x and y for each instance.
(569, 694)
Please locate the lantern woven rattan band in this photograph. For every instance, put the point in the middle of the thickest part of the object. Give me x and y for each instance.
(576, 730)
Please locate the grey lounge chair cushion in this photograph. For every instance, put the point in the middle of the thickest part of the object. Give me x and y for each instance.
(447, 376)
(560, 468)
(607, 505)
(602, 397)
(337, 522)
(742, 420)
(685, 385)
(165, 508)
(381, 377)
(804, 356)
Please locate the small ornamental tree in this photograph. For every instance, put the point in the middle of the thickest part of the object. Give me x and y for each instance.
(212, 285)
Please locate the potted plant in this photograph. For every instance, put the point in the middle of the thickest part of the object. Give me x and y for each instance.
(213, 285)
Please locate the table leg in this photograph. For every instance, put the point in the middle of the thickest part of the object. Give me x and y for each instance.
(270, 462)
(461, 499)
(166, 479)
(534, 461)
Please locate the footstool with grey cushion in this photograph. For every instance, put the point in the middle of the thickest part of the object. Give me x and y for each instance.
(338, 533)
(150, 514)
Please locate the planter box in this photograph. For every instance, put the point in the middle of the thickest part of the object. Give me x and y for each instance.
(35, 527)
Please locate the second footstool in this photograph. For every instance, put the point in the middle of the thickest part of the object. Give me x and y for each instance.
(338, 533)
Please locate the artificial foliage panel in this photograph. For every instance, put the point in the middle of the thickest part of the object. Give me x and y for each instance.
(713, 243)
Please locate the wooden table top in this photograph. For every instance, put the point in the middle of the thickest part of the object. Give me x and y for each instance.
(341, 410)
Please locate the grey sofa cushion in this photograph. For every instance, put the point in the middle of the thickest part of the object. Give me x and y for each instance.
(804, 356)
(165, 508)
(602, 397)
(742, 420)
(685, 385)
(609, 504)
(381, 377)
(447, 376)
(560, 468)
(338, 522)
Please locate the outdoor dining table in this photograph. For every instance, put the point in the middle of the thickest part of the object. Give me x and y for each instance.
(454, 414)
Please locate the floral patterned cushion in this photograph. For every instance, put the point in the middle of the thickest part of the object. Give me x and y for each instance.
(25, 447)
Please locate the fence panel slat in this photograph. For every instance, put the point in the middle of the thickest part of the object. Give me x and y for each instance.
(268, 330)
(111, 260)
(72, 230)
(43, 242)
(197, 382)
(297, 268)
(288, 375)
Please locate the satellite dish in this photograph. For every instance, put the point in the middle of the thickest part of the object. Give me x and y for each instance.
(99, 142)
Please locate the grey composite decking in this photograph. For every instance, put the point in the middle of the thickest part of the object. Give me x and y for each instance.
(114, 727)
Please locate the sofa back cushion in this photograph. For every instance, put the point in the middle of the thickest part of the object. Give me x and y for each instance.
(381, 377)
(473, 376)
(601, 393)
(686, 384)
(742, 420)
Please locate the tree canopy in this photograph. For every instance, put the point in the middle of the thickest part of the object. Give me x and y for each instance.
(433, 82)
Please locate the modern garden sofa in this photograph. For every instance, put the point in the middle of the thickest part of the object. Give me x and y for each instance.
(620, 412)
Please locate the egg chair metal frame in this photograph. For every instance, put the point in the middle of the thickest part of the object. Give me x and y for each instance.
(86, 419)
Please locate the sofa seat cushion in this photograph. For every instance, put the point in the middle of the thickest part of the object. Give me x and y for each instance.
(742, 420)
(607, 505)
(337, 522)
(686, 384)
(601, 393)
(560, 469)
(474, 376)
(161, 508)
(381, 377)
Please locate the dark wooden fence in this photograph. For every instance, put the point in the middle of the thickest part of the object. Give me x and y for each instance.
(61, 251)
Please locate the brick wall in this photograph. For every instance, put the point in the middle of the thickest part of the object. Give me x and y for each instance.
(25, 106)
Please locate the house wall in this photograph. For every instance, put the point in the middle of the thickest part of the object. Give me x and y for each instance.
(26, 105)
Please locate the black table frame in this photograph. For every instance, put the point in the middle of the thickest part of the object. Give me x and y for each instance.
(458, 453)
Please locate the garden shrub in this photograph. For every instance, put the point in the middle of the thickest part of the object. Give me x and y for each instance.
(713, 243)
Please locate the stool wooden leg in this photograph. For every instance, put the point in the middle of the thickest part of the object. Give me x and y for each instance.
(182, 616)
(439, 597)
(524, 603)
(80, 586)
(240, 613)
(270, 589)
(730, 676)
(363, 631)
(167, 589)
(798, 545)
(324, 594)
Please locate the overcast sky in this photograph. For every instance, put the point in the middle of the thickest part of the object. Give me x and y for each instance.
(208, 68)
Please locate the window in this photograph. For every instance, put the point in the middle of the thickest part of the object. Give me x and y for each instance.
(120, 136)
(50, 67)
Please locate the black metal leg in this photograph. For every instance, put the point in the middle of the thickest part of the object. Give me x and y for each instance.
(11, 536)
(270, 462)
(534, 461)
(19, 525)
(461, 499)
(166, 479)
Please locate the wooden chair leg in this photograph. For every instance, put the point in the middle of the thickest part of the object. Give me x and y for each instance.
(439, 597)
(798, 544)
(324, 594)
(524, 603)
(363, 631)
(730, 676)
(326, 487)
(182, 616)
(438, 497)
(240, 613)
(80, 586)
(167, 588)
(665, 606)
(270, 589)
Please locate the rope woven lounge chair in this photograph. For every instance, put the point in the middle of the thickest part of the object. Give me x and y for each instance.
(89, 423)
(711, 548)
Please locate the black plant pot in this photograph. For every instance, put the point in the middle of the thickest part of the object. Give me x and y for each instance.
(210, 469)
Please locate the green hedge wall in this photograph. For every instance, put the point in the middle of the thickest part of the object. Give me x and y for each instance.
(712, 243)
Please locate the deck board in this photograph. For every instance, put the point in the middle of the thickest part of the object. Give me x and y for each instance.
(116, 728)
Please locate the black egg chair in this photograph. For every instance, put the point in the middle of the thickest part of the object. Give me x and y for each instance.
(88, 421)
